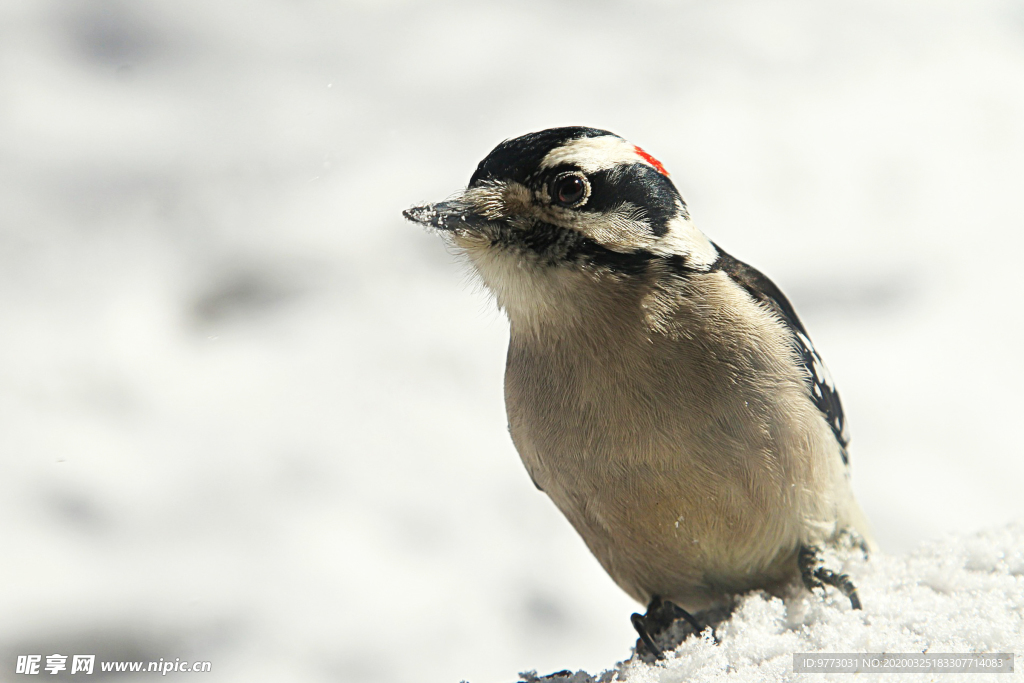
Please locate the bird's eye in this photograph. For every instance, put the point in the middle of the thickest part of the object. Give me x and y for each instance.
(570, 189)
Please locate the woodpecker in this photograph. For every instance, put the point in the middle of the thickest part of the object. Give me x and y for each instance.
(662, 393)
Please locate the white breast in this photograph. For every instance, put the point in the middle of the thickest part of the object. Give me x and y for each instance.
(673, 428)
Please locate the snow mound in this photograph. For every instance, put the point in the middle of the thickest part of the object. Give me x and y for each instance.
(954, 595)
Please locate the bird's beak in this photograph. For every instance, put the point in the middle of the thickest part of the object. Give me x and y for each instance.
(451, 216)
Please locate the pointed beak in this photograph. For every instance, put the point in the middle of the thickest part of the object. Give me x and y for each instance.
(450, 216)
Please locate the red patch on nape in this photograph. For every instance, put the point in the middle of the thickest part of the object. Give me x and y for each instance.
(651, 160)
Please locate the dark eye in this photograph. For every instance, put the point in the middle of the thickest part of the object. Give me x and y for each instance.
(570, 189)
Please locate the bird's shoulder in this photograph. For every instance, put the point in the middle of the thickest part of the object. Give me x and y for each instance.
(820, 384)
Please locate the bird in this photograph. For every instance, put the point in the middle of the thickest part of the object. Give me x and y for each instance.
(661, 392)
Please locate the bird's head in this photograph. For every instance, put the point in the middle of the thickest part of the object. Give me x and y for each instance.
(549, 210)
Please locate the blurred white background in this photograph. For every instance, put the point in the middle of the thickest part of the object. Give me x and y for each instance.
(249, 415)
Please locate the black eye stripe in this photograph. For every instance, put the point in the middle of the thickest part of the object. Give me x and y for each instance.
(640, 185)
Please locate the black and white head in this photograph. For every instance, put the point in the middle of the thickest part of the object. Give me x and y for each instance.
(576, 224)
(547, 211)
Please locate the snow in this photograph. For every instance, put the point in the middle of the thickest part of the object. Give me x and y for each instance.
(954, 595)
(250, 415)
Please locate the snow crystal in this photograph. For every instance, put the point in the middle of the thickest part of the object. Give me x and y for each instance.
(953, 595)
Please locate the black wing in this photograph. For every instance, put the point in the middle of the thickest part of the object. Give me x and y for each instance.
(819, 381)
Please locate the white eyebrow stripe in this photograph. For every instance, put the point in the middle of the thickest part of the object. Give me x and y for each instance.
(593, 154)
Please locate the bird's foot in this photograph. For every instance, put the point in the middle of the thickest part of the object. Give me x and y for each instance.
(660, 617)
(816, 575)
